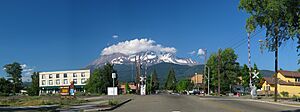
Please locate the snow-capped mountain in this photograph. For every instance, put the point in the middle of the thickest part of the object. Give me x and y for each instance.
(150, 57)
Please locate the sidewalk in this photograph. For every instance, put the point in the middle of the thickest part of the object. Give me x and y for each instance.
(98, 103)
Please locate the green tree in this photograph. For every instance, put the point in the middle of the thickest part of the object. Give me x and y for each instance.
(152, 82)
(15, 70)
(100, 79)
(149, 86)
(299, 70)
(171, 80)
(5, 87)
(184, 84)
(245, 76)
(127, 88)
(229, 69)
(33, 90)
(280, 18)
(155, 81)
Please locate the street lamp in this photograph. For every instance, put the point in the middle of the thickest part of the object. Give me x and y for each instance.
(113, 75)
(208, 90)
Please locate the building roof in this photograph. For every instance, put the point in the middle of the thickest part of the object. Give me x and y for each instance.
(271, 81)
(293, 74)
(66, 71)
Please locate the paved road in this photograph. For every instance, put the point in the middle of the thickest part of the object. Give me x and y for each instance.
(180, 103)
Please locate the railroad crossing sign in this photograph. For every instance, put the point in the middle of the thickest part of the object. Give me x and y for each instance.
(255, 74)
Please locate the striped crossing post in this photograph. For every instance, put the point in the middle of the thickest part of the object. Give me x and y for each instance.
(249, 60)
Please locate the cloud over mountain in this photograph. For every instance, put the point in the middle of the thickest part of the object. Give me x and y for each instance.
(201, 52)
(135, 46)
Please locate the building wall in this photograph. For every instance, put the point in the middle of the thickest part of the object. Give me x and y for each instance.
(293, 90)
(265, 84)
(280, 76)
(81, 77)
(197, 79)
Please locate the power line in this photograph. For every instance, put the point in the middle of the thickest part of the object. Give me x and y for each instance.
(244, 40)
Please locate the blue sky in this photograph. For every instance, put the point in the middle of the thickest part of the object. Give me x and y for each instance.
(70, 34)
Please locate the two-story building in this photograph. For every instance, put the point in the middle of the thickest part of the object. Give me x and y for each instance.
(51, 82)
(197, 79)
(288, 81)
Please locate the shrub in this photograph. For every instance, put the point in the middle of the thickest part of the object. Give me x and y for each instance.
(113, 102)
(284, 94)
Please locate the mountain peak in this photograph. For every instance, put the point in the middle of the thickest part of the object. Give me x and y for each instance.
(150, 57)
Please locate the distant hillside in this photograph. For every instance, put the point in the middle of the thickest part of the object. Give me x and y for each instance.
(125, 72)
(267, 73)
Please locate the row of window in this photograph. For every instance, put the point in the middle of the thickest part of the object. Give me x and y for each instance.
(65, 75)
(65, 81)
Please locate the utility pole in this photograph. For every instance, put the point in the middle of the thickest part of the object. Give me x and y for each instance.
(276, 65)
(208, 81)
(138, 69)
(132, 79)
(204, 75)
(219, 67)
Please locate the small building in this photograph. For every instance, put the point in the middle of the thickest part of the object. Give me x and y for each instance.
(288, 81)
(197, 79)
(51, 82)
(132, 86)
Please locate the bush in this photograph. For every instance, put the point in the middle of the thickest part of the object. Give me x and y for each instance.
(113, 102)
(81, 94)
(284, 94)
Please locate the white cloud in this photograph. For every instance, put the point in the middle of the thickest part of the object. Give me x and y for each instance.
(201, 52)
(136, 46)
(27, 72)
(115, 36)
(23, 66)
(192, 52)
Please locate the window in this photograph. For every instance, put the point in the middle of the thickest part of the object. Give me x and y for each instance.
(43, 76)
(83, 81)
(65, 81)
(82, 74)
(50, 76)
(57, 82)
(267, 88)
(43, 82)
(57, 75)
(65, 75)
(75, 81)
(50, 82)
(297, 79)
(74, 75)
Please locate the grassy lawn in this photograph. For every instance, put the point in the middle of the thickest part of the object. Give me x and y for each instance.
(38, 100)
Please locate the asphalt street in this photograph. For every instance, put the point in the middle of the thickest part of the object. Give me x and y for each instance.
(183, 103)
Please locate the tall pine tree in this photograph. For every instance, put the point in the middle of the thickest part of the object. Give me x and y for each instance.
(33, 90)
(171, 80)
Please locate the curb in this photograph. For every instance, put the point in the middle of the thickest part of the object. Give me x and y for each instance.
(276, 103)
(43, 107)
(109, 108)
(261, 101)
